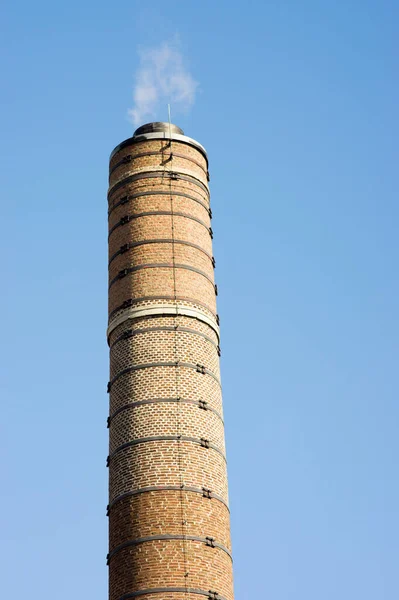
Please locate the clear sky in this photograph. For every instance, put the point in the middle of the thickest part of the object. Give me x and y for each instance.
(297, 107)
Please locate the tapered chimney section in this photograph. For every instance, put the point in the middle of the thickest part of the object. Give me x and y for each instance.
(169, 535)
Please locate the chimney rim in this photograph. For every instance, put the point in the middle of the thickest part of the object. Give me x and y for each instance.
(159, 135)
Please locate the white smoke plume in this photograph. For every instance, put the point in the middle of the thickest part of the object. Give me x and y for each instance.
(162, 77)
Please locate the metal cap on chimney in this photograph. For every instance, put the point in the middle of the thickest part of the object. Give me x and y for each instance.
(158, 126)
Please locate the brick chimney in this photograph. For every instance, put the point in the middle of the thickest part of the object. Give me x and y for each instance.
(169, 531)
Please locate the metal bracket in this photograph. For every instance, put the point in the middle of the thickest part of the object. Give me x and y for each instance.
(108, 422)
(213, 595)
(219, 351)
(210, 213)
(216, 289)
(203, 404)
(124, 248)
(128, 303)
(124, 220)
(205, 443)
(201, 369)
(213, 262)
(173, 175)
(210, 541)
(122, 273)
(207, 493)
(108, 387)
(107, 461)
(126, 159)
(124, 200)
(211, 232)
(170, 157)
(218, 319)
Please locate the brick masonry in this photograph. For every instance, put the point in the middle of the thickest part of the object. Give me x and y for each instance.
(169, 532)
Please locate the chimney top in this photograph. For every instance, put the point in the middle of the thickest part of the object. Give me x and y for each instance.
(158, 126)
(159, 131)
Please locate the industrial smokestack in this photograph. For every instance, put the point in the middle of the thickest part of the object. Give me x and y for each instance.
(169, 532)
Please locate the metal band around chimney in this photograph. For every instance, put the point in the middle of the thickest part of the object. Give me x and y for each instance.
(129, 197)
(131, 157)
(135, 268)
(127, 334)
(167, 438)
(173, 590)
(160, 401)
(168, 488)
(129, 302)
(159, 172)
(165, 537)
(162, 309)
(127, 247)
(184, 365)
(180, 175)
(154, 213)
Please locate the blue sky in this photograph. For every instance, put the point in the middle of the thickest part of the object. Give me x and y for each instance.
(297, 107)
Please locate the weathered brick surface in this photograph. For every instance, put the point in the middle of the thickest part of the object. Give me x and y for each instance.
(139, 516)
(160, 226)
(160, 148)
(154, 155)
(157, 281)
(180, 321)
(163, 252)
(156, 194)
(167, 463)
(166, 418)
(159, 345)
(164, 564)
(160, 382)
(164, 379)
